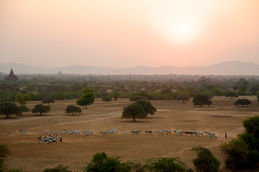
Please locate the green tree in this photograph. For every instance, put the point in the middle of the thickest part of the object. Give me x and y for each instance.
(4, 151)
(86, 98)
(103, 163)
(59, 168)
(134, 111)
(202, 100)
(252, 126)
(231, 94)
(22, 98)
(205, 160)
(243, 102)
(165, 165)
(238, 157)
(73, 109)
(115, 95)
(8, 109)
(181, 96)
(107, 98)
(40, 108)
(48, 100)
(148, 107)
(24, 108)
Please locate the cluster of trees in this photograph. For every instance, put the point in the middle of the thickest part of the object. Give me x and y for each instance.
(101, 162)
(171, 87)
(243, 153)
(9, 108)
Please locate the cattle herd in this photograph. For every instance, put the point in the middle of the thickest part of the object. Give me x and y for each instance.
(53, 137)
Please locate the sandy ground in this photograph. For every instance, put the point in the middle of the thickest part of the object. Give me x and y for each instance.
(75, 151)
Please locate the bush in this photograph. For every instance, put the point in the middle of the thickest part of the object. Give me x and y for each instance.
(205, 160)
(238, 156)
(252, 126)
(243, 102)
(4, 151)
(107, 98)
(202, 100)
(59, 168)
(165, 165)
(102, 163)
(48, 100)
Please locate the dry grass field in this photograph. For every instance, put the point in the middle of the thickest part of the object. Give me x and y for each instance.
(75, 151)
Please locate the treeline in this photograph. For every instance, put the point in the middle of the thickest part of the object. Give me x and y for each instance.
(121, 86)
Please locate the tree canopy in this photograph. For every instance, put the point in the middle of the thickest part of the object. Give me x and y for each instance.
(103, 163)
(48, 100)
(22, 98)
(59, 168)
(9, 109)
(243, 153)
(148, 107)
(86, 98)
(24, 108)
(134, 111)
(231, 94)
(202, 100)
(40, 108)
(165, 165)
(73, 109)
(243, 102)
(205, 160)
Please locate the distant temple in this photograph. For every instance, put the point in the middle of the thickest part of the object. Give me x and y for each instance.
(11, 76)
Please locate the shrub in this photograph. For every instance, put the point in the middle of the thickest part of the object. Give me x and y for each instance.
(243, 102)
(4, 151)
(107, 98)
(205, 160)
(59, 168)
(165, 165)
(202, 100)
(103, 163)
(48, 100)
(238, 156)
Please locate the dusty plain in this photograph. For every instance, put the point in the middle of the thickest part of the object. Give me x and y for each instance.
(75, 151)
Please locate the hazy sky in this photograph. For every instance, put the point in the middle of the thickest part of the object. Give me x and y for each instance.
(120, 33)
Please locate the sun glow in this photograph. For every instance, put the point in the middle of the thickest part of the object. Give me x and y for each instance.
(181, 21)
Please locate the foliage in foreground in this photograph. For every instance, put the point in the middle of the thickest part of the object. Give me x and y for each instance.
(165, 165)
(59, 168)
(205, 160)
(103, 163)
(243, 153)
(4, 151)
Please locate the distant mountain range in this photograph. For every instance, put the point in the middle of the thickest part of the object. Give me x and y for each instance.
(224, 68)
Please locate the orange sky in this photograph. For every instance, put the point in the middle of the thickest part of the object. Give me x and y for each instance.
(119, 33)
